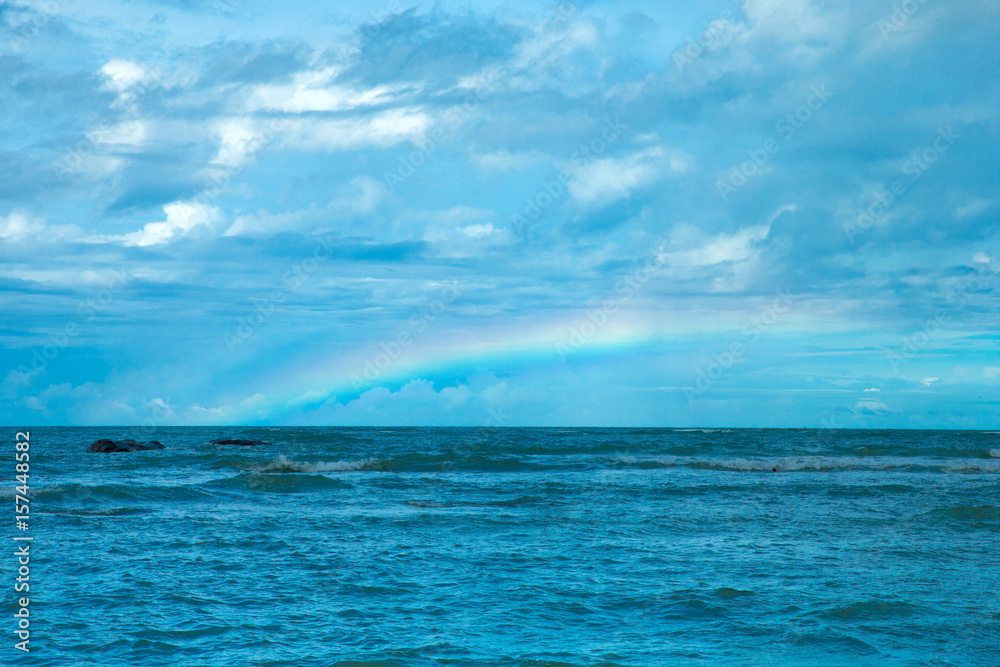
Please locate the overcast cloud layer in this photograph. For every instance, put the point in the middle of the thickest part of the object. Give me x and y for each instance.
(763, 213)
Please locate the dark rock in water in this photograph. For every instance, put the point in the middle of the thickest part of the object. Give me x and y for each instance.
(128, 445)
(237, 441)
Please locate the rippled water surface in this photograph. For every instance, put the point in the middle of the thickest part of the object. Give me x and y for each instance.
(515, 547)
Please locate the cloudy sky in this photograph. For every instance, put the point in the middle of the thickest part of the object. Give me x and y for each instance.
(757, 213)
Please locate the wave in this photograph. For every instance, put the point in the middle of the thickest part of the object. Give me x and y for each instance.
(510, 462)
(968, 514)
(987, 466)
(702, 430)
(283, 464)
(77, 493)
(873, 610)
(513, 502)
(727, 593)
(811, 464)
(113, 511)
(278, 483)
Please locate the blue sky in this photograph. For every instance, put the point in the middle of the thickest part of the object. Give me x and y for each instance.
(763, 213)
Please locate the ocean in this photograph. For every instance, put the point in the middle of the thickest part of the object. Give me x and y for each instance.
(511, 546)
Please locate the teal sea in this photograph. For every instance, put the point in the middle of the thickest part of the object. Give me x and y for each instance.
(515, 547)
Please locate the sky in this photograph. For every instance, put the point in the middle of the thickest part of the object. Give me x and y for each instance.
(768, 213)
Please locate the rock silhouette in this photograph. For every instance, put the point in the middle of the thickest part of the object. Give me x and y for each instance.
(128, 445)
(238, 441)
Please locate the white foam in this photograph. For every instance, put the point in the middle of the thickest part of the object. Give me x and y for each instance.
(976, 466)
(285, 464)
(792, 464)
(995, 453)
(703, 430)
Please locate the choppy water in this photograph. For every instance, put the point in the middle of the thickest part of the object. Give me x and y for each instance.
(515, 547)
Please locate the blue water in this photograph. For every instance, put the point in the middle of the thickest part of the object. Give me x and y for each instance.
(514, 547)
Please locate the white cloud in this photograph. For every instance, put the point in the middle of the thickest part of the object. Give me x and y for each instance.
(796, 33)
(606, 180)
(160, 408)
(238, 143)
(504, 160)
(871, 406)
(982, 258)
(314, 90)
(309, 397)
(972, 209)
(721, 248)
(22, 226)
(131, 133)
(127, 78)
(385, 128)
(19, 224)
(361, 196)
(409, 405)
(792, 20)
(725, 262)
(123, 74)
(872, 389)
(928, 381)
(208, 412)
(182, 217)
(255, 401)
(463, 231)
(479, 231)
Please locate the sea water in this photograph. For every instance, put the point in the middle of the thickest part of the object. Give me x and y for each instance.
(423, 546)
